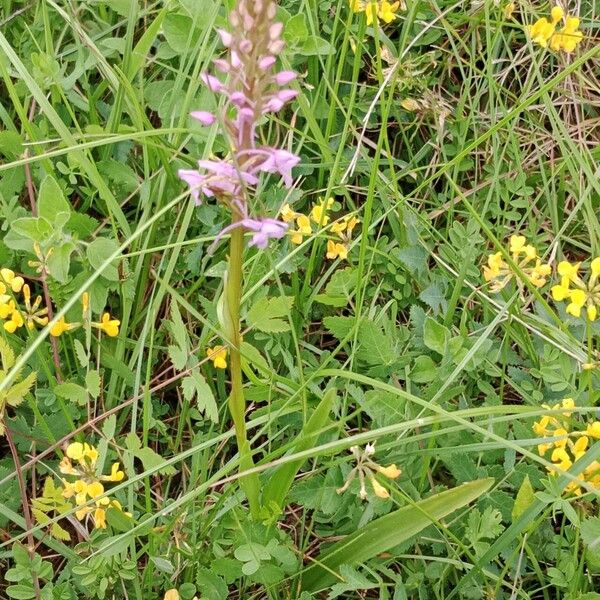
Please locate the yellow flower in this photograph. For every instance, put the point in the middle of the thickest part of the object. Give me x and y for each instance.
(7, 306)
(541, 31)
(304, 228)
(61, 326)
(319, 212)
(580, 446)
(391, 471)
(16, 321)
(562, 434)
(387, 11)
(9, 278)
(557, 13)
(287, 214)
(33, 313)
(376, 10)
(509, 9)
(85, 303)
(109, 325)
(336, 250)
(560, 292)
(218, 355)
(499, 273)
(100, 518)
(583, 294)
(172, 594)
(379, 490)
(75, 451)
(569, 36)
(115, 474)
(562, 459)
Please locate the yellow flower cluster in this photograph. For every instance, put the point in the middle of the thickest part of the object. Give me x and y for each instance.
(11, 312)
(499, 273)
(218, 355)
(377, 10)
(569, 446)
(366, 468)
(543, 32)
(32, 314)
(87, 489)
(107, 324)
(579, 293)
(343, 228)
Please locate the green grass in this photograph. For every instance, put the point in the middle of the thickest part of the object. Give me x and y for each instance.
(402, 344)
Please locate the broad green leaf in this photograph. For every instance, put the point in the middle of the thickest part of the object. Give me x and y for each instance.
(435, 335)
(36, 229)
(376, 347)
(51, 201)
(280, 482)
(265, 314)
(98, 251)
(59, 261)
(180, 32)
(296, 30)
(388, 531)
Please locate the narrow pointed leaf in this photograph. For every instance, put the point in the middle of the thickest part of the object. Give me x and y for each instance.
(389, 531)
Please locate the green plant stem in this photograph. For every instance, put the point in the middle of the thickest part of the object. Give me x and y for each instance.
(237, 401)
(25, 506)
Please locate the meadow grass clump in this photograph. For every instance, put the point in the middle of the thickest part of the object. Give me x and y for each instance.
(299, 300)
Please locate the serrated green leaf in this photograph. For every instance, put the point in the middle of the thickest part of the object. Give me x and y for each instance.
(7, 355)
(92, 382)
(194, 385)
(17, 392)
(73, 392)
(82, 355)
(265, 314)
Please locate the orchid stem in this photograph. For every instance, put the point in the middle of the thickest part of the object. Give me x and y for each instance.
(237, 402)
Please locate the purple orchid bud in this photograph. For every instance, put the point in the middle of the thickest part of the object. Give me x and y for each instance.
(276, 47)
(239, 99)
(206, 118)
(234, 57)
(265, 229)
(211, 82)
(284, 77)
(222, 65)
(266, 63)
(226, 37)
(275, 31)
